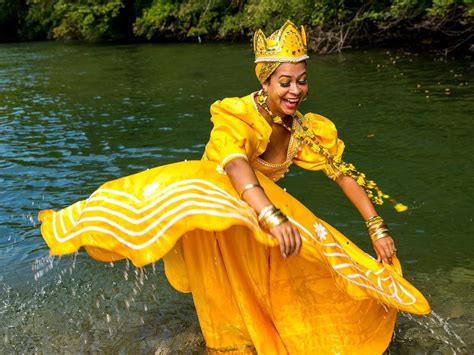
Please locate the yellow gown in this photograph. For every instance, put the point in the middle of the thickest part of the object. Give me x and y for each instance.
(332, 298)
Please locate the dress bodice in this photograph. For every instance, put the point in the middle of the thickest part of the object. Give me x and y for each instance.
(240, 131)
(276, 171)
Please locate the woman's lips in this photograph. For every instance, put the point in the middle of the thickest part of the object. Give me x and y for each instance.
(291, 104)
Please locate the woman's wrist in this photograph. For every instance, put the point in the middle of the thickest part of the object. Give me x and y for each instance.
(270, 217)
(377, 228)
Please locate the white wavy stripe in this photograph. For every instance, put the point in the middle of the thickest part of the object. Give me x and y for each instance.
(116, 192)
(78, 207)
(155, 223)
(378, 272)
(204, 182)
(342, 255)
(161, 198)
(342, 266)
(406, 292)
(149, 227)
(162, 230)
(55, 232)
(335, 267)
(394, 288)
(69, 212)
(61, 220)
(163, 206)
(187, 182)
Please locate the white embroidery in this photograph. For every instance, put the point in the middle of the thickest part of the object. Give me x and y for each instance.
(220, 170)
(233, 156)
(320, 231)
(150, 189)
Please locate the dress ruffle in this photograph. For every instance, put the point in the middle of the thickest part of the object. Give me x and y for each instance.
(141, 217)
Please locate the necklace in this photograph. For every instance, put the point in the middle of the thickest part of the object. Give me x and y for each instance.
(308, 137)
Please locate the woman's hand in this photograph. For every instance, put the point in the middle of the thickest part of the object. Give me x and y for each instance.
(385, 249)
(288, 237)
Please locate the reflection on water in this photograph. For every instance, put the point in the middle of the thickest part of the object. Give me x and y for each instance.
(74, 116)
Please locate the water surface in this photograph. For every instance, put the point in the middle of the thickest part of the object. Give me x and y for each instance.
(73, 116)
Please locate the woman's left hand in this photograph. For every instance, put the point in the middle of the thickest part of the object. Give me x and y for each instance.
(385, 249)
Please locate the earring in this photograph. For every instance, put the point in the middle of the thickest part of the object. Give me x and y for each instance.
(262, 97)
(305, 97)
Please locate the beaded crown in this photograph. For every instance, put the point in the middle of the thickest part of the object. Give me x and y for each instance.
(287, 44)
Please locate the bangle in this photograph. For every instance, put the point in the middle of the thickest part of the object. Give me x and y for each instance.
(265, 210)
(272, 218)
(373, 220)
(377, 228)
(378, 236)
(248, 187)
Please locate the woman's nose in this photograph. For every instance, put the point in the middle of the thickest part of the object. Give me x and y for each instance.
(295, 89)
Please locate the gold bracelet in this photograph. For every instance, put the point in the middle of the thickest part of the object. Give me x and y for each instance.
(265, 210)
(377, 227)
(373, 220)
(374, 238)
(272, 219)
(248, 187)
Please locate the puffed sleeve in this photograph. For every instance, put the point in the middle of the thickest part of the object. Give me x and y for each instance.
(234, 135)
(326, 133)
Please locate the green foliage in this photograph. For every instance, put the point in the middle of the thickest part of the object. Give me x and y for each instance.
(68, 19)
(331, 24)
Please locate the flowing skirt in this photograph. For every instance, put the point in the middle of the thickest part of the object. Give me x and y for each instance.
(333, 298)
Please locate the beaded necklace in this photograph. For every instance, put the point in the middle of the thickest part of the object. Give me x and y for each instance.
(309, 138)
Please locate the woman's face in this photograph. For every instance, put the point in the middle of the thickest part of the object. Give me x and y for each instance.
(285, 88)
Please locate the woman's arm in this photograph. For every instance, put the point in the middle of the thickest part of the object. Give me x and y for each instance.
(241, 174)
(385, 247)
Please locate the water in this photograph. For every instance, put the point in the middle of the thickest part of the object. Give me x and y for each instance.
(73, 116)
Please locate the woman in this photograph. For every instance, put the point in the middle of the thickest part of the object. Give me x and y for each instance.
(266, 275)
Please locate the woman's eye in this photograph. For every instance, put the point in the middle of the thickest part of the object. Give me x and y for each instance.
(303, 82)
(285, 85)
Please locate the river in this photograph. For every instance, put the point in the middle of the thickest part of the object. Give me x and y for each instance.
(73, 116)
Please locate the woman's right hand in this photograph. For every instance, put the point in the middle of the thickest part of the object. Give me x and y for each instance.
(288, 237)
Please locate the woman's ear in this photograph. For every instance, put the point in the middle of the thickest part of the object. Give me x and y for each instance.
(265, 86)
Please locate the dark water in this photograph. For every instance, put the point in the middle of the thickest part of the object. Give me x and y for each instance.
(74, 116)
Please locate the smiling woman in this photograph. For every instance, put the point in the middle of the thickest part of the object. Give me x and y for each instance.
(266, 275)
(286, 88)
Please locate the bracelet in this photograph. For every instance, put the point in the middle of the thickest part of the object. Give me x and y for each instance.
(379, 233)
(248, 187)
(372, 220)
(378, 236)
(272, 218)
(377, 228)
(265, 210)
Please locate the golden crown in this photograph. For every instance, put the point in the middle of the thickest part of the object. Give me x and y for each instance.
(287, 44)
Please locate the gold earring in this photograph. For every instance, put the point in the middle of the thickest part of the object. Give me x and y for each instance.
(262, 97)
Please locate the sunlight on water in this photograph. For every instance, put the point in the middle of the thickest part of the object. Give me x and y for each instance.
(75, 116)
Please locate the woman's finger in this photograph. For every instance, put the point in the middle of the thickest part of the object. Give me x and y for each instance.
(298, 241)
(382, 254)
(291, 239)
(283, 245)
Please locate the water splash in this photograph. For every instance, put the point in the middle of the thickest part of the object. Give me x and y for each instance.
(439, 329)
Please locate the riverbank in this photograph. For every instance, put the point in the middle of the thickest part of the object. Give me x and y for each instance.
(443, 26)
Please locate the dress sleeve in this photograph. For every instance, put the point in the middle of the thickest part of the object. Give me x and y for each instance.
(326, 134)
(233, 135)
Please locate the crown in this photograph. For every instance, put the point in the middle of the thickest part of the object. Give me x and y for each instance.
(287, 44)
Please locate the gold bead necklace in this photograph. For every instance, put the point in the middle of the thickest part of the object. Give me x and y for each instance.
(309, 138)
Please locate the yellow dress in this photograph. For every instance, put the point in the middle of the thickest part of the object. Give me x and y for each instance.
(332, 298)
